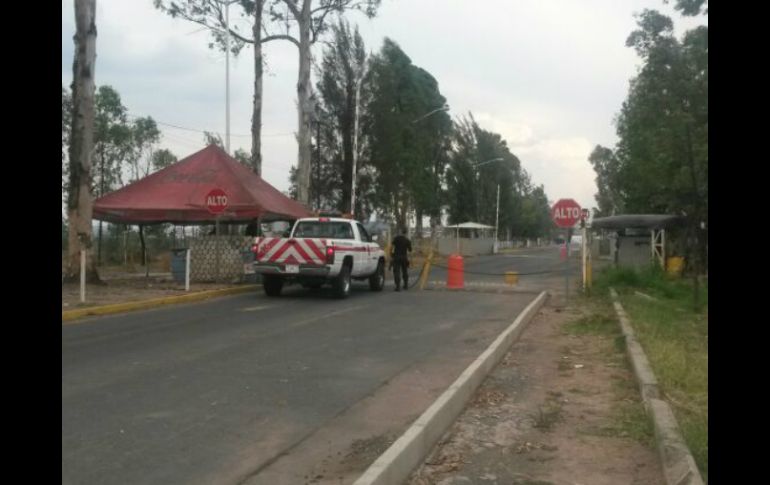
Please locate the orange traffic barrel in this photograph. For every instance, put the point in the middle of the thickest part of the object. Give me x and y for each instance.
(455, 274)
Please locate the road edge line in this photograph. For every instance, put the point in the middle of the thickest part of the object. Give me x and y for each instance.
(69, 315)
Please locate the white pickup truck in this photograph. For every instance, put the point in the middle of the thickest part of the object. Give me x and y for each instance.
(320, 250)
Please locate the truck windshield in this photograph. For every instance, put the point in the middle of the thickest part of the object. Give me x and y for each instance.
(328, 229)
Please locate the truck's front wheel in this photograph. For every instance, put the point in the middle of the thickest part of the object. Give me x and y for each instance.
(341, 284)
(272, 285)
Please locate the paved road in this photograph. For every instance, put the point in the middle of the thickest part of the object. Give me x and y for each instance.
(539, 269)
(249, 389)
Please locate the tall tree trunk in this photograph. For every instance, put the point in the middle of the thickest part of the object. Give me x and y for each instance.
(304, 106)
(435, 213)
(79, 201)
(418, 223)
(256, 116)
(101, 193)
(435, 222)
(401, 214)
(697, 219)
(144, 247)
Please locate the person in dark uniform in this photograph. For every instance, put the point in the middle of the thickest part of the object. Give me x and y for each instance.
(253, 228)
(399, 258)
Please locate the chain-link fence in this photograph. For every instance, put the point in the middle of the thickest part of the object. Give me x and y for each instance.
(218, 258)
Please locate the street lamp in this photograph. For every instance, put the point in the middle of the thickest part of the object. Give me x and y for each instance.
(227, 75)
(499, 159)
(477, 165)
(443, 108)
(497, 210)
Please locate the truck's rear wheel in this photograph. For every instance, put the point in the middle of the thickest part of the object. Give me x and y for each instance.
(377, 280)
(272, 285)
(341, 285)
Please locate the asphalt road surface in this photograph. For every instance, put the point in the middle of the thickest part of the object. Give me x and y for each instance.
(250, 389)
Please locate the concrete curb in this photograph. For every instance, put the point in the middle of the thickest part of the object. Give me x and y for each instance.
(679, 467)
(398, 461)
(648, 384)
(69, 315)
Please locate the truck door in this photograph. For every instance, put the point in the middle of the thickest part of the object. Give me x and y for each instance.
(369, 255)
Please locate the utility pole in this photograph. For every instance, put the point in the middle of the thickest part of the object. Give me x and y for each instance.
(227, 77)
(497, 218)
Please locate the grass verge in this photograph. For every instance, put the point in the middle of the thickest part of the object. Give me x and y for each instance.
(628, 416)
(675, 339)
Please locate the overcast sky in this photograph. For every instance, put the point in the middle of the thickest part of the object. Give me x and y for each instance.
(548, 75)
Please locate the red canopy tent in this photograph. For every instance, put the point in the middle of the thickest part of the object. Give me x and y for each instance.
(177, 194)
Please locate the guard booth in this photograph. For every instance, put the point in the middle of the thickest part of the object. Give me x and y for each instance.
(636, 240)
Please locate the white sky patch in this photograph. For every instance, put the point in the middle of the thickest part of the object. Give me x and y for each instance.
(561, 164)
(515, 133)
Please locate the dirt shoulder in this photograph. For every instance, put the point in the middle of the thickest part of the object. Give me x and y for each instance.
(128, 289)
(561, 408)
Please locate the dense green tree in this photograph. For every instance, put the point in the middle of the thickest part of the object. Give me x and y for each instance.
(162, 158)
(340, 75)
(660, 163)
(113, 141)
(213, 139)
(144, 137)
(663, 124)
(691, 7)
(605, 165)
(242, 156)
(480, 162)
(404, 147)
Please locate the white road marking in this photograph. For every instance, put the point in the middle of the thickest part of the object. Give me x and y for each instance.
(325, 315)
(255, 308)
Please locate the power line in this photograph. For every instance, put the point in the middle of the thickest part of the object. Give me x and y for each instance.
(209, 131)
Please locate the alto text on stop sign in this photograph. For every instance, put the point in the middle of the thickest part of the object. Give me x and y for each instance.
(566, 213)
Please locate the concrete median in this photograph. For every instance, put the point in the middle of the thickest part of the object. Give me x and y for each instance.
(398, 461)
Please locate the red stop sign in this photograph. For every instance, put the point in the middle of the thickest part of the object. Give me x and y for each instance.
(566, 213)
(216, 201)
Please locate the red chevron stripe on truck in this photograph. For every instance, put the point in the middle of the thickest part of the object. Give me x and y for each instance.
(291, 251)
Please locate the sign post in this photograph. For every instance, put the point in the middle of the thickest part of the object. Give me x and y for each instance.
(187, 270)
(566, 213)
(82, 276)
(216, 202)
(584, 247)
